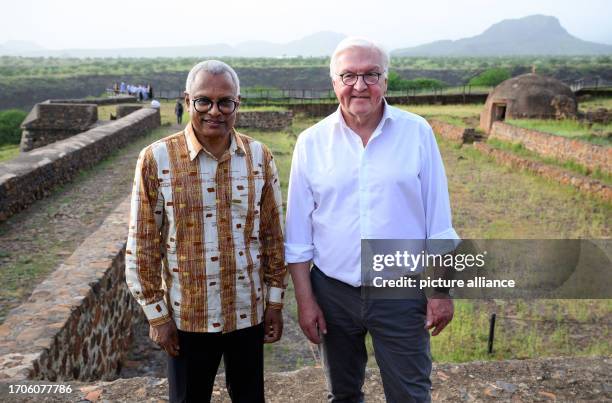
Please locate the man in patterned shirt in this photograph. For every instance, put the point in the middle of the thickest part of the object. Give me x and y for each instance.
(204, 255)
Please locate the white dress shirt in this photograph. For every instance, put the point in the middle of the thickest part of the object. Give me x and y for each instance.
(341, 192)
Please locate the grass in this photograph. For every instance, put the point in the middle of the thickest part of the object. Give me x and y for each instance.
(520, 150)
(574, 129)
(462, 115)
(8, 151)
(595, 103)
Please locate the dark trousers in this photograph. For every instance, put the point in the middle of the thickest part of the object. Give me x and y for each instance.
(400, 341)
(191, 375)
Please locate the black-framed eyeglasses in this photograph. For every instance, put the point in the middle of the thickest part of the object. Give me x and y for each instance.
(369, 78)
(226, 106)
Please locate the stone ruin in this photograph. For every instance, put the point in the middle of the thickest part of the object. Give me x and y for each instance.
(50, 122)
(528, 96)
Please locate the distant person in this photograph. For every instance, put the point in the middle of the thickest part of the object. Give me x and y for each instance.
(178, 111)
(122, 88)
(204, 256)
(150, 91)
(116, 88)
(140, 93)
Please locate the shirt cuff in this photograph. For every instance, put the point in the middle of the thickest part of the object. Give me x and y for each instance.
(298, 253)
(275, 297)
(443, 242)
(157, 313)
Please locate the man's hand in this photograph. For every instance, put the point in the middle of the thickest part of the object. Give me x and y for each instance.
(273, 325)
(311, 319)
(440, 311)
(166, 336)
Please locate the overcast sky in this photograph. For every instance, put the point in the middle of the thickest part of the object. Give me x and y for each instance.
(62, 24)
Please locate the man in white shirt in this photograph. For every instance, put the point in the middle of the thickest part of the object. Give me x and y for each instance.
(368, 171)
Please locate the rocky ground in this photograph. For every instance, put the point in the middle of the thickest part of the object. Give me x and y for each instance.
(537, 380)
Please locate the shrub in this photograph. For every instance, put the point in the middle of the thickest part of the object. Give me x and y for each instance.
(396, 83)
(490, 78)
(10, 122)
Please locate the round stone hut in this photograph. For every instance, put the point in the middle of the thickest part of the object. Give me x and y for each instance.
(528, 96)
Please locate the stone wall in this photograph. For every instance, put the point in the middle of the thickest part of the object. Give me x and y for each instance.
(50, 122)
(453, 133)
(264, 120)
(33, 175)
(124, 110)
(120, 99)
(325, 109)
(76, 323)
(441, 99)
(591, 156)
(565, 177)
(312, 110)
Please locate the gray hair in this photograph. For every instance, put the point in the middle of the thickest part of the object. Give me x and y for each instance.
(353, 42)
(213, 67)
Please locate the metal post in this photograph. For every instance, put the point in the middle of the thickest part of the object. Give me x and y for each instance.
(491, 333)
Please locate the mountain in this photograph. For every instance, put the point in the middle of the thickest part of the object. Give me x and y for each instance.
(318, 44)
(532, 35)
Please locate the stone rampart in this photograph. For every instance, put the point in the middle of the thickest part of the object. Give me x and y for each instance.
(451, 132)
(312, 110)
(437, 99)
(264, 120)
(120, 99)
(591, 156)
(124, 110)
(50, 122)
(76, 324)
(32, 175)
(560, 175)
(320, 109)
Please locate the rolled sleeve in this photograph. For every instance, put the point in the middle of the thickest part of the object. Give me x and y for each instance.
(434, 190)
(299, 245)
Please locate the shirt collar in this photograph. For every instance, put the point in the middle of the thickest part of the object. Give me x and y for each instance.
(194, 146)
(388, 114)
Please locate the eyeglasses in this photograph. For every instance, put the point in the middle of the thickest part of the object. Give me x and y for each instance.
(226, 105)
(370, 78)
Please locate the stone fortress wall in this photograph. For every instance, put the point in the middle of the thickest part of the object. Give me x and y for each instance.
(32, 175)
(76, 324)
(591, 156)
(50, 122)
(264, 120)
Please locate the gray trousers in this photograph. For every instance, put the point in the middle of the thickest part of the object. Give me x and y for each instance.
(401, 343)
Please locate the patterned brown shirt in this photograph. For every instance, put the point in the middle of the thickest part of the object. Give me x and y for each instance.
(205, 242)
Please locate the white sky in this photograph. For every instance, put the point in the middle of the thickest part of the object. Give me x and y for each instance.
(62, 24)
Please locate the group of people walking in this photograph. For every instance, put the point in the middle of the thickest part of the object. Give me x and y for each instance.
(143, 92)
(207, 258)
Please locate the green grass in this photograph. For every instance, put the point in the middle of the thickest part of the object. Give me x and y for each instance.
(8, 151)
(520, 150)
(574, 129)
(462, 115)
(595, 103)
